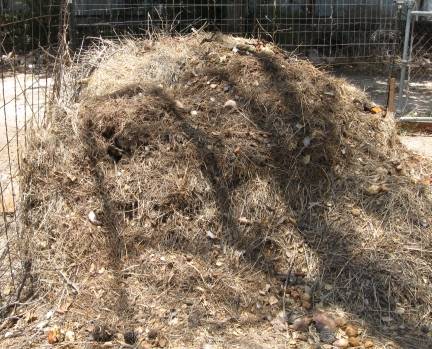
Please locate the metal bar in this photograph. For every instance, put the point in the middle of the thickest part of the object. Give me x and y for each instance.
(404, 62)
(421, 13)
(417, 119)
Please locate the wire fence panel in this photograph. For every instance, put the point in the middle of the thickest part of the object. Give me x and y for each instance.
(416, 99)
(27, 31)
(324, 30)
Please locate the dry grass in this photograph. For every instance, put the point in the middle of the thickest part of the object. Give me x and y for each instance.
(202, 206)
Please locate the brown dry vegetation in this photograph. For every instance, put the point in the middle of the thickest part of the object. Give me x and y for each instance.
(202, 206)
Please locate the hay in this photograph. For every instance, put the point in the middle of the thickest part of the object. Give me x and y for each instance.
(214, 217)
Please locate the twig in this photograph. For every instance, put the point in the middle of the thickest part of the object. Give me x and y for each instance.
(68, 282)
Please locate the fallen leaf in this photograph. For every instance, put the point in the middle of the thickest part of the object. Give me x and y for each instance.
(323, 320)
(70, 336)
(144, 345)
(179, 104)
(210, 235)
(376, 110)
(351, 331)
(328, 287)
(72, 178)
(213, 85)
(162, 342)
(30, 317)
(341, 343)
(306, 297)
(55, 335)
(387, 319)
(272, 300)
(306, 159)
(93, 218)
(49, 314)
(7, 290)
(230, 104)
(65, 306)
(373, 189)
(354, 342)
(194, 113)
(356, 212)
(341, 322)
(301, 324)
(244, 220)
(368, 344)
(306, 305)
(300, 336)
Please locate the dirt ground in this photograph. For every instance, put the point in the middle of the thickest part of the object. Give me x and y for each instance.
(419, 102)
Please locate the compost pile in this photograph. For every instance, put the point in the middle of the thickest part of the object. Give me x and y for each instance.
(212, 190)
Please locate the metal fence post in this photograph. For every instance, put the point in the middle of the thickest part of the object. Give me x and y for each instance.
(405, 61)
(72, 24)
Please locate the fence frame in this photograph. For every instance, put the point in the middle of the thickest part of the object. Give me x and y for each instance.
(412, 18)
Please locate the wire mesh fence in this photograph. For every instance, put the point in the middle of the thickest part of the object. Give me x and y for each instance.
(416, 99)
(324, 30)
(28, 45)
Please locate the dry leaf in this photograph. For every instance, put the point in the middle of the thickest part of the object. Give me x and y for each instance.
(162, 342)
(322, 320)
(306, 305)
(70, 336)
(179, 104)
(55, 335)
(354, 342)
(244, 220)
(387, 319)
(351, 331)
(93, 218)
(306, 159)
(211, 235)
(230, 104)
(301, 324)
(341, 343)
(356, 212)
(368, 344)
(376, 110)
(373, 189)
(272, 300)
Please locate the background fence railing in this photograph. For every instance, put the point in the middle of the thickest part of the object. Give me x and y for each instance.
(415, 93)
(324, 30)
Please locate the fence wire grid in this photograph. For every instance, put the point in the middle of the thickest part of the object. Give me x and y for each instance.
(417, 95)
(28, 45)
(323, 30)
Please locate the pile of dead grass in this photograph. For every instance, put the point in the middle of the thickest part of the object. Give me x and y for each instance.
(227, 177)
